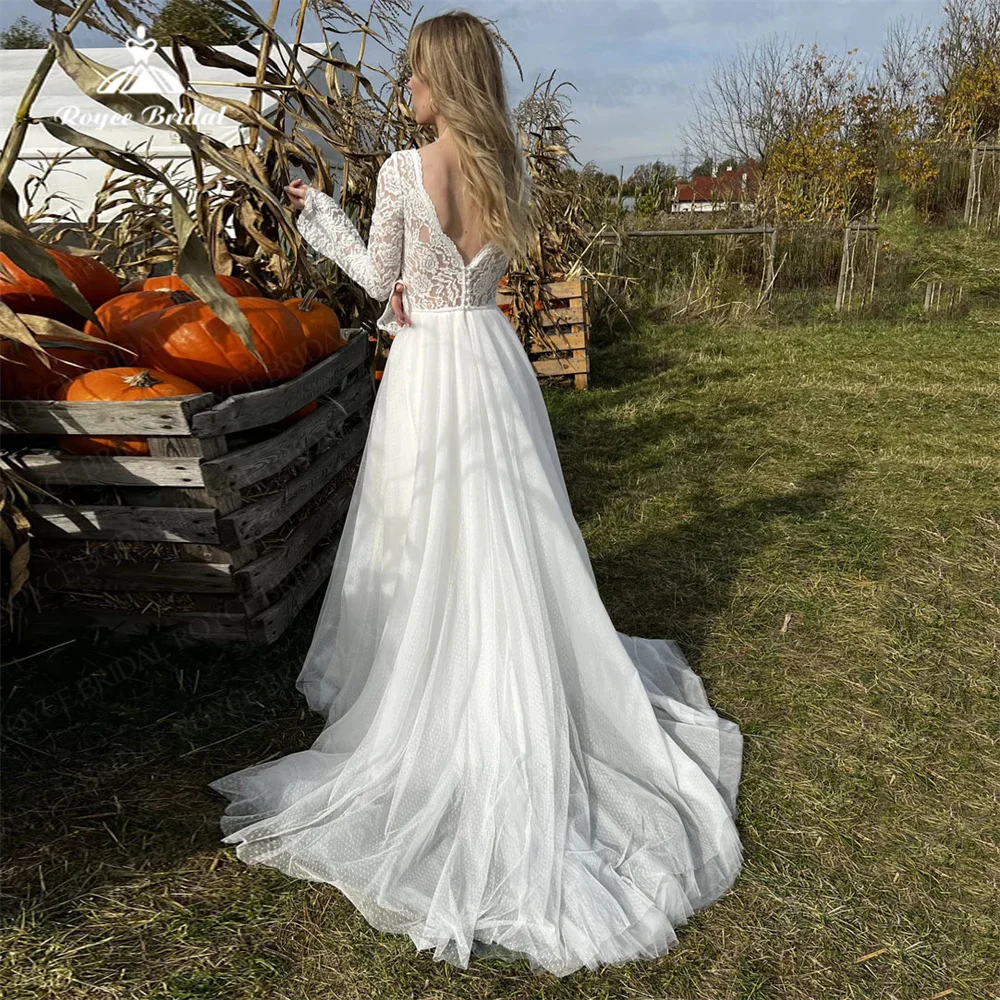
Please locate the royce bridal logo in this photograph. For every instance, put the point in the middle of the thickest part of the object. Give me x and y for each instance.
(140, 77)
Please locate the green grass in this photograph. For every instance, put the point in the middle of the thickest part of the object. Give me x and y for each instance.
(810, 510)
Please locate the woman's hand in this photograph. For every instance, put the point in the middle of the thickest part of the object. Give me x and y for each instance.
(296, 192)
(396, 301)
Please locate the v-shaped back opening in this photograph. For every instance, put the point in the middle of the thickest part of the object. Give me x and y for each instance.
(437, 221)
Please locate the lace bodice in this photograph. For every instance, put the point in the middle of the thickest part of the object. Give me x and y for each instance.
(406, 241)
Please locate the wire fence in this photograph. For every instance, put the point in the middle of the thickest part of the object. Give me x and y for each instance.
(726, 271)
(982, 198)
(936, 252)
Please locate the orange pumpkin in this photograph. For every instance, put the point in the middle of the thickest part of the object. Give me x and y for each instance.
(119, 385)
(25, 294)
(320, 325)
(191, 341)
(173, 283)
(24, 375)
(116, 314)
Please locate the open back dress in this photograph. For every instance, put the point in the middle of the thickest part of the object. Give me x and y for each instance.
(501, 772)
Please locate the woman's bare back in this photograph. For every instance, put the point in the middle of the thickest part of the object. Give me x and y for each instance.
(457, 213)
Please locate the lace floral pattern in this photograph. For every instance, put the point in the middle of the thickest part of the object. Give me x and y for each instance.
(406, 240)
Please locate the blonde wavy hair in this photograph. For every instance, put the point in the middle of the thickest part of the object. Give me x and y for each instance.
(457, 57)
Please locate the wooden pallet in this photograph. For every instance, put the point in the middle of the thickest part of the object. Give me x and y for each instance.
(221, 533)
(563, 349)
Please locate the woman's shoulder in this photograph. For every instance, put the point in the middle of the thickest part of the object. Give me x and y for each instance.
(395, 164)
(398, 156)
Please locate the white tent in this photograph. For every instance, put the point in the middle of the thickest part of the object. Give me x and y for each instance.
(70, 185)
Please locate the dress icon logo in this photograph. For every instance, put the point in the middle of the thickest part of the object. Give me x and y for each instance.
(141, 78)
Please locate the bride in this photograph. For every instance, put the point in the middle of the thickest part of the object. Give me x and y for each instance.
(501, 772)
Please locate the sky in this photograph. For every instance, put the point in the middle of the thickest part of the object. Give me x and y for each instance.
(636, 65)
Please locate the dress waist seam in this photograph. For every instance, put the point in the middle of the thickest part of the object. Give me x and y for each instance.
(437, 309)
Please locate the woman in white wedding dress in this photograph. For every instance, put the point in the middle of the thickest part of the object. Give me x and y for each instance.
(501, 772)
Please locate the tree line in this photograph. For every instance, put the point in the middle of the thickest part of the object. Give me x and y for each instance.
(202, 20)
(835, 138)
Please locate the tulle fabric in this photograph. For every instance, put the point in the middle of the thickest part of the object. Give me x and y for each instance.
(501, 772)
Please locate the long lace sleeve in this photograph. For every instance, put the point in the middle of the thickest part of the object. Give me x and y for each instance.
(327, 228)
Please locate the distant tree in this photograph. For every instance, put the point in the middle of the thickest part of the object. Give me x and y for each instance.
(762, 94)
(599, 179)
(950, 75)
(837, 138)
(650, 174)
(202, 20)
(965, 59)
(23, 34)
(652, 184)
(704, 169)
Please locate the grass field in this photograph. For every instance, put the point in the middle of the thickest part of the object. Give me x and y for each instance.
(811, 510)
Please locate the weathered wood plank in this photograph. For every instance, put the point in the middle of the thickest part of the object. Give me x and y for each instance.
(555, 320)
(187, 447)
(188, 627)
(140, 524)
(564, 289)
(573, 340)
(178, 417)
(57, 469)
(67, 547)
(270, 569)
(562, 366)
(552, 303)
(562, 315)
(258, 519)
(221, 497)
(552, 290)
(257, 461)
(139, 417)
(269, 625)
(97, 576)
(265, 406)
(149, 496)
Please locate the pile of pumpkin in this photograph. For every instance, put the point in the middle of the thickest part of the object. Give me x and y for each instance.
(165, 343)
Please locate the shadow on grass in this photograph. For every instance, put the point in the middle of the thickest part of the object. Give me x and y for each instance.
(108, 750)
(674, 583)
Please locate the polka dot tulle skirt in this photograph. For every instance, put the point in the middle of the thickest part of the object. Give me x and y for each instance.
(502, 773)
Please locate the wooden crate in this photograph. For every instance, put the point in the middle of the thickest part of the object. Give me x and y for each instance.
(221, 533)
(564, 347)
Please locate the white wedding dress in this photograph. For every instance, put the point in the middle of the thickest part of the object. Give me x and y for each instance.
(501, 772)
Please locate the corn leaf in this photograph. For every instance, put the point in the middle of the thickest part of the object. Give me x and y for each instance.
(12, 327)
(30, 256)
(193, 264)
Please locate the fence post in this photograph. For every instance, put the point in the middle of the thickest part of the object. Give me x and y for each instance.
(616, 252)
(871, 291)
(844, 266)
(970, 194)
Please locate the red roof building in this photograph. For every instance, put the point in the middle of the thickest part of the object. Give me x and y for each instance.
(710, 194)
